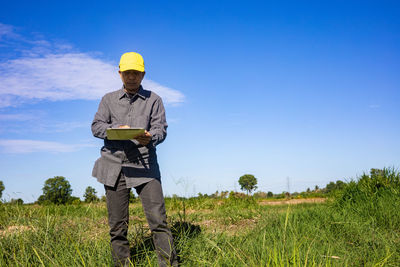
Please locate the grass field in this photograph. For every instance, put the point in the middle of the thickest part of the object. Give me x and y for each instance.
(354, 228)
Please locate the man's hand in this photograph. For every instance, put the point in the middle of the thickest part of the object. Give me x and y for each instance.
(124, 126)
(144, 139)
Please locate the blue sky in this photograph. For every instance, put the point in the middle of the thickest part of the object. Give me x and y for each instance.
(302, 89)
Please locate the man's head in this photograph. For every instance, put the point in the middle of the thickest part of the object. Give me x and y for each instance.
(131, 70)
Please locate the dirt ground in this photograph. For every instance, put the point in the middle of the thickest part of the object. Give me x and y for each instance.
(292, 201)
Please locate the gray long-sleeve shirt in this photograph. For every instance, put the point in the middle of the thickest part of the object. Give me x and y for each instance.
(138, 163)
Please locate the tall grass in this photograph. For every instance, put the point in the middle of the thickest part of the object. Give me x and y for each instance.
(359, 227)
(375, 198)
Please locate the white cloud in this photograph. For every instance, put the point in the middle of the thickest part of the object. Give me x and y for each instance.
(16, 117)
(7, 31)
(48, 72)
(59, 127)
(30, 146)
(22, 124)
(169, 96)
(57, 77)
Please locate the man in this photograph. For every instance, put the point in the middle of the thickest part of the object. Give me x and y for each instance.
(133, 163)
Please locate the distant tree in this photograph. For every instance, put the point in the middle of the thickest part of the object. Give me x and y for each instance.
(270, 194)
(332, 186)
(18, 201)
(132, 197)
(90, 195)
(56, 190)
(248, 183)
(2, 187)
(103, 198)
(316, 188)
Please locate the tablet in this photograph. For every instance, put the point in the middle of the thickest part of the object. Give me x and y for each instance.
(124, 133)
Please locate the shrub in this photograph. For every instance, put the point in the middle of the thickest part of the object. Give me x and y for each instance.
(375, 197)
(372, 186)
(233, 195)
(74, 201)
(260, 194)
(132, 197)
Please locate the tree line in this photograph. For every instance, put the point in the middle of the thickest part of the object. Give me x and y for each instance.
(57, 190)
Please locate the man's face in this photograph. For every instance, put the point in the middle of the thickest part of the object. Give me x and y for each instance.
(132, 79)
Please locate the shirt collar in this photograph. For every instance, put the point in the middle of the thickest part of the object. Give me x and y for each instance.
(140, 93)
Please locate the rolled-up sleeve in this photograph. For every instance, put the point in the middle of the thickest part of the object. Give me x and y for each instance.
(158, 123)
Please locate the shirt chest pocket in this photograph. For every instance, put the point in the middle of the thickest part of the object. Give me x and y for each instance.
(141, 121)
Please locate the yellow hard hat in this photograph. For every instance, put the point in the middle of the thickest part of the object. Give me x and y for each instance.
(131, 61)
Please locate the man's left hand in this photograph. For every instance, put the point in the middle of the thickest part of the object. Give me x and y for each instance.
(144, 139)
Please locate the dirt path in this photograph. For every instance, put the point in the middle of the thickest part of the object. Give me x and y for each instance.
(292, 201)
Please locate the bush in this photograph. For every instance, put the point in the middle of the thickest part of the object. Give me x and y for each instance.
(370, 187)
(74, 201)
(375, 197)
(260, 194)
(280, 196)
(236, 195)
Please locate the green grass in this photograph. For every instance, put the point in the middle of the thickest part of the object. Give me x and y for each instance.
(359, 227)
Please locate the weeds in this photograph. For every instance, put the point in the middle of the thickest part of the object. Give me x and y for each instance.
(360, 227)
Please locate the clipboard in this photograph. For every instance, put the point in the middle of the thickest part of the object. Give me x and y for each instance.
(124, 133)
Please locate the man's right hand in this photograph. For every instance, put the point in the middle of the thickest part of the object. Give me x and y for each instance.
(124, 126)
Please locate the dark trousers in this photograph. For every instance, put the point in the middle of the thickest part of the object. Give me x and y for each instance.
(153, 205)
